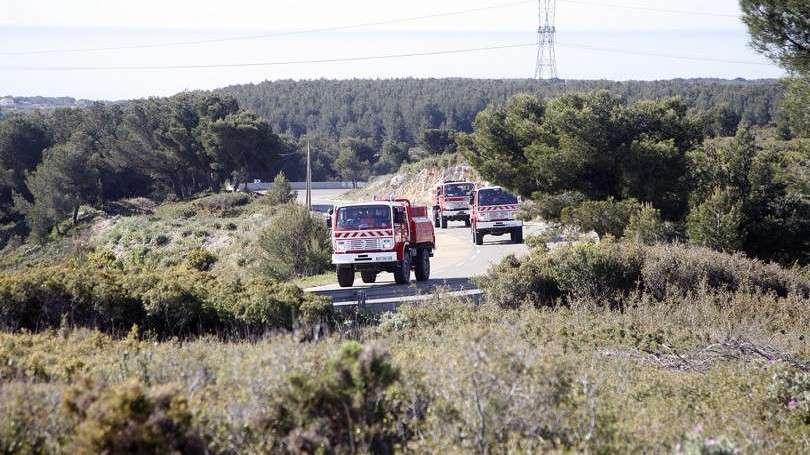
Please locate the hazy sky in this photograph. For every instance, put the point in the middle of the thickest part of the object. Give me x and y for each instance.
(597, 39)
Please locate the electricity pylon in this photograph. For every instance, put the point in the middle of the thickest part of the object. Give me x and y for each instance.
(546, 67)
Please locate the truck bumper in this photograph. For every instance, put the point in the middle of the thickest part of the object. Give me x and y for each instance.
(457, 215)
(364, 258)
(498, 227)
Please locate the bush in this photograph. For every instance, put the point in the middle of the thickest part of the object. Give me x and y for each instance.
(200, 259)
(790, 389)
(604, 217)
(295, 244)
(348, 407)
(645, 226)
(130, 419)
(280, 192)
(717, 222)
(607, 271)
(550, 206)
(222, 204)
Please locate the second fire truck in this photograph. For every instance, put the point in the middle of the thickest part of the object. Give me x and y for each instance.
(451, 202)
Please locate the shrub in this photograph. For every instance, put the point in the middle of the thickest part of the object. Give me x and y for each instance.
(717, 222)
(550, 206)
(130, 419)
(295, 244)
(200, 259)
(609, 270)
(223, 204)
(280, 192)
(604, 217)
(348, 407)
(645, 226)
(790, 389)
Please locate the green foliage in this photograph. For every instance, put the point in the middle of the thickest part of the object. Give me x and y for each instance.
(438, 141)
(351, 406)
(200, 259)
(607, 272)
(131, 419)
(645, 226)
(222, 204)
(778, 29)
(790, 390)
(695, 443)
(794, 106)
(717, 222)
(280, 192)
(604, 217)
(295, 244)
(591, 144)
(550, 206)
(353, 161)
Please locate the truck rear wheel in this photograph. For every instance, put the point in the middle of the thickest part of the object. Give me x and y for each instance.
(517, 235)
(402, 274)
(345, 276)
(435, 218)
(444, 223)
(368, 277)
(478, 238)
(422, 264)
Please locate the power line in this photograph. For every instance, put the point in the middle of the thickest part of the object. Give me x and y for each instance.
(652, 9)
(270, 35)
(372, 57)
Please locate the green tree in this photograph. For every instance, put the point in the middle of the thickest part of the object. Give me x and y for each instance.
(23, 139)
(295, 244)
(281, 191)
(59, 185)
(795, 106)
(717, 222)
(349, 163)
(779, 29)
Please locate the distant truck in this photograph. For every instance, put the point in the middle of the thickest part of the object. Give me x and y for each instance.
(451, 202)
(492, 212)
(382, 236)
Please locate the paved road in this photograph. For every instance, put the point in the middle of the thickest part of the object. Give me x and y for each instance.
(321, 196)
(456, 260)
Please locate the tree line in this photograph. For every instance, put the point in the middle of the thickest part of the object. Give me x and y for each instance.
(652, 170)
(53, 162)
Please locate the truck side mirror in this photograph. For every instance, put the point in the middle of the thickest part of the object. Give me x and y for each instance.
(472, 199)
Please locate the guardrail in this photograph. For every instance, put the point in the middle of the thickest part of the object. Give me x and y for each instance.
(264, 186)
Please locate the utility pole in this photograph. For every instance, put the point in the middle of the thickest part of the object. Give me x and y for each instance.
(309, 179)
(546, 66)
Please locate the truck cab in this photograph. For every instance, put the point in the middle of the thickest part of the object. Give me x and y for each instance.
(381, 236)
(492, 212)
(451, 202)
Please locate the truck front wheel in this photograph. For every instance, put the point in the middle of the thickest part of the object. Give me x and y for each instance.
(402, 274)
(478, 238)
(436, 218)
(517, 235)
(345, 276)
(422, 264)
(368, 277)
(444, 223)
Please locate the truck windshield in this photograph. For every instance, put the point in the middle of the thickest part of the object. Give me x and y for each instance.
(364, 217)
(457, 190)
(496, 197)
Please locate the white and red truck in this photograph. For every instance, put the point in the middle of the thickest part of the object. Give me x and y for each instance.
(492, 212)
(381, 236)
(451, 202)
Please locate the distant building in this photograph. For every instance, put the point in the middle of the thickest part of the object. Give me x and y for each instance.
(7, 101)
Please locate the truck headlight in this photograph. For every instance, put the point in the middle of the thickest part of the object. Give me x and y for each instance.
(341, 246)
(387, 244)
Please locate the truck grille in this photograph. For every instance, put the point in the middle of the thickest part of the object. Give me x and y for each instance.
(366, 244)
(456, 205)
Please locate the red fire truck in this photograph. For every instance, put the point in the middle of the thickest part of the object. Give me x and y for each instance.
(382, 236)
(451, 202)
(493, 212)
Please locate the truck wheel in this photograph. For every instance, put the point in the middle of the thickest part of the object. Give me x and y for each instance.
(517, 235)
(436, 218)
(368, 277)
(444, 223)
(345, 276)
(467, 222)
(402, 274)
(478, 238)
(422, 264)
